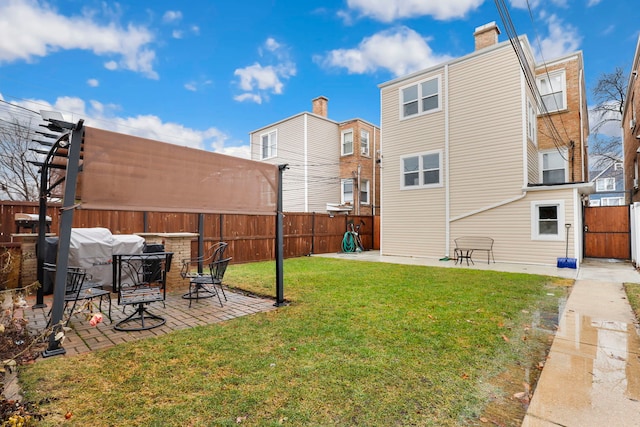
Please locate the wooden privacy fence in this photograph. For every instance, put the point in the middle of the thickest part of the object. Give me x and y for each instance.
(250, 237)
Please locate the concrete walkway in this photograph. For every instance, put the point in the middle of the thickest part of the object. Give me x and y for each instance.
(592, 375)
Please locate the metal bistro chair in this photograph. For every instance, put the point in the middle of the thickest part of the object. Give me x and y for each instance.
(77, 289)
(139, 280)
(201, 284)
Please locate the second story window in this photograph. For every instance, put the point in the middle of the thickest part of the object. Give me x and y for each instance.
(606, 184)
(268, 145)
(421, 97)
(552, 87)
(554, 167)
(347, 142)
(364, 142)
(422, 170)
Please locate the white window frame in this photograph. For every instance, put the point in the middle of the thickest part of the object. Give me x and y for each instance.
(364, 142)
(420, 98)
(365, 189)
(562, 153)
(594, 203)
(535, 220)
(612, 201)
(532, 123)
(272, 144)
(420, 171)
(606, 184)
(343, 152)
(563, 81)
(343, 183)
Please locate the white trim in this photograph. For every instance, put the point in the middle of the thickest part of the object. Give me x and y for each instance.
(306, 165)
(342, 134)
(368, 153)
(535, 231)
(549, 76)
(420, 171)
(447, 192)
(342, 183)
(368, 186)
(274, 152)
(563, 154)
(418, 84)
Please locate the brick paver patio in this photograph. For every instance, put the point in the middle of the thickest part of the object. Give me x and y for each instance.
(85, 338)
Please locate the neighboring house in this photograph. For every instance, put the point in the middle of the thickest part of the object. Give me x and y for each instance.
(333, 165)
(631, 130)
(467, 151)
(609, 184)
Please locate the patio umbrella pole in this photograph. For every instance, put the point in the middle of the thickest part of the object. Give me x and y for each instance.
(279, 242)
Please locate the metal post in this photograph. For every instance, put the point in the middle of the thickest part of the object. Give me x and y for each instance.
(200, 241)
(66, 222)
(280, 242)
(40, 246)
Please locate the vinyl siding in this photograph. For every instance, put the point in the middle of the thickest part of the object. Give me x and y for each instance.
(323, 168)
(510, 227)
(486, 131)
(413, 221)
(321, 174)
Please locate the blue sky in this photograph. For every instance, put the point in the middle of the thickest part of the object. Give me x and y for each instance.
(206, 73)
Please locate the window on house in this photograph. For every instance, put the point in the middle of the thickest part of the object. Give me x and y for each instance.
(422, 170)
(421, 97)
(364, 142)
(554, 167)
(552, 87)
(364, 191)
(347, 190)
(532, 122)
(547, 220)
(347, 142)
(268, 144)
(594, 203)
(612, 201)
(606, 184)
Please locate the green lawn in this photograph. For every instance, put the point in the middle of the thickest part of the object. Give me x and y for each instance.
(360, 344)
(633, 294)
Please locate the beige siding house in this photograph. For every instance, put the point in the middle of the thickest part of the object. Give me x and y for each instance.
(462, 155)
(631, 130)
(332, 165)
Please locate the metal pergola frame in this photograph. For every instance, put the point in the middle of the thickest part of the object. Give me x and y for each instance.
(72, 141)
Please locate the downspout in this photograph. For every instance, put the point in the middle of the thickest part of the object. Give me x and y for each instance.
(306, 166)
(447, 196)
(584, 147)
(374, 154)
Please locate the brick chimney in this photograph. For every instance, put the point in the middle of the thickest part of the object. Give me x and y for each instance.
(320, 106)
(486, 35)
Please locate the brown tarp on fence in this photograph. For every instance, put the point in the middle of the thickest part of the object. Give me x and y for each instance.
(123, 172)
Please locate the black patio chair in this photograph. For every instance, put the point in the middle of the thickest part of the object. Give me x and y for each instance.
(207, 283)
(199, 280)
(77, 289)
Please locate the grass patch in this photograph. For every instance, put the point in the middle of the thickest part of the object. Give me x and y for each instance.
(633, 295)
(361, 344)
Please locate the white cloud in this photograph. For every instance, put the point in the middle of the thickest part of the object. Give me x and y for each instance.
(93, 82)
(111, 65)
(172, 16)
(29, 29)
(593, 3)
(400, 50)
(195, 29)
(257, 81)
(562, 39)
(390, 10)
(611, 127)
(191, 86)
(104, 116)
(250, 97)
(177, 34)
(523, 4)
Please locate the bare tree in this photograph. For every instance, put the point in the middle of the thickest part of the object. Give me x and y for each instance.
(609, 94)
(19, 179)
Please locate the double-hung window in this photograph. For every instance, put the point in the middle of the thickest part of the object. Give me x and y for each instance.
(364, 142)
(268, 144)
(547, 220)
(420, 98)
(552, 87)
(554, 167)
(421, 170)
(606, 184)
(347, 142)
(364, 191)
(347, 191)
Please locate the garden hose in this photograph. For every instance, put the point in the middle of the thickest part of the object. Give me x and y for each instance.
(348, 242)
